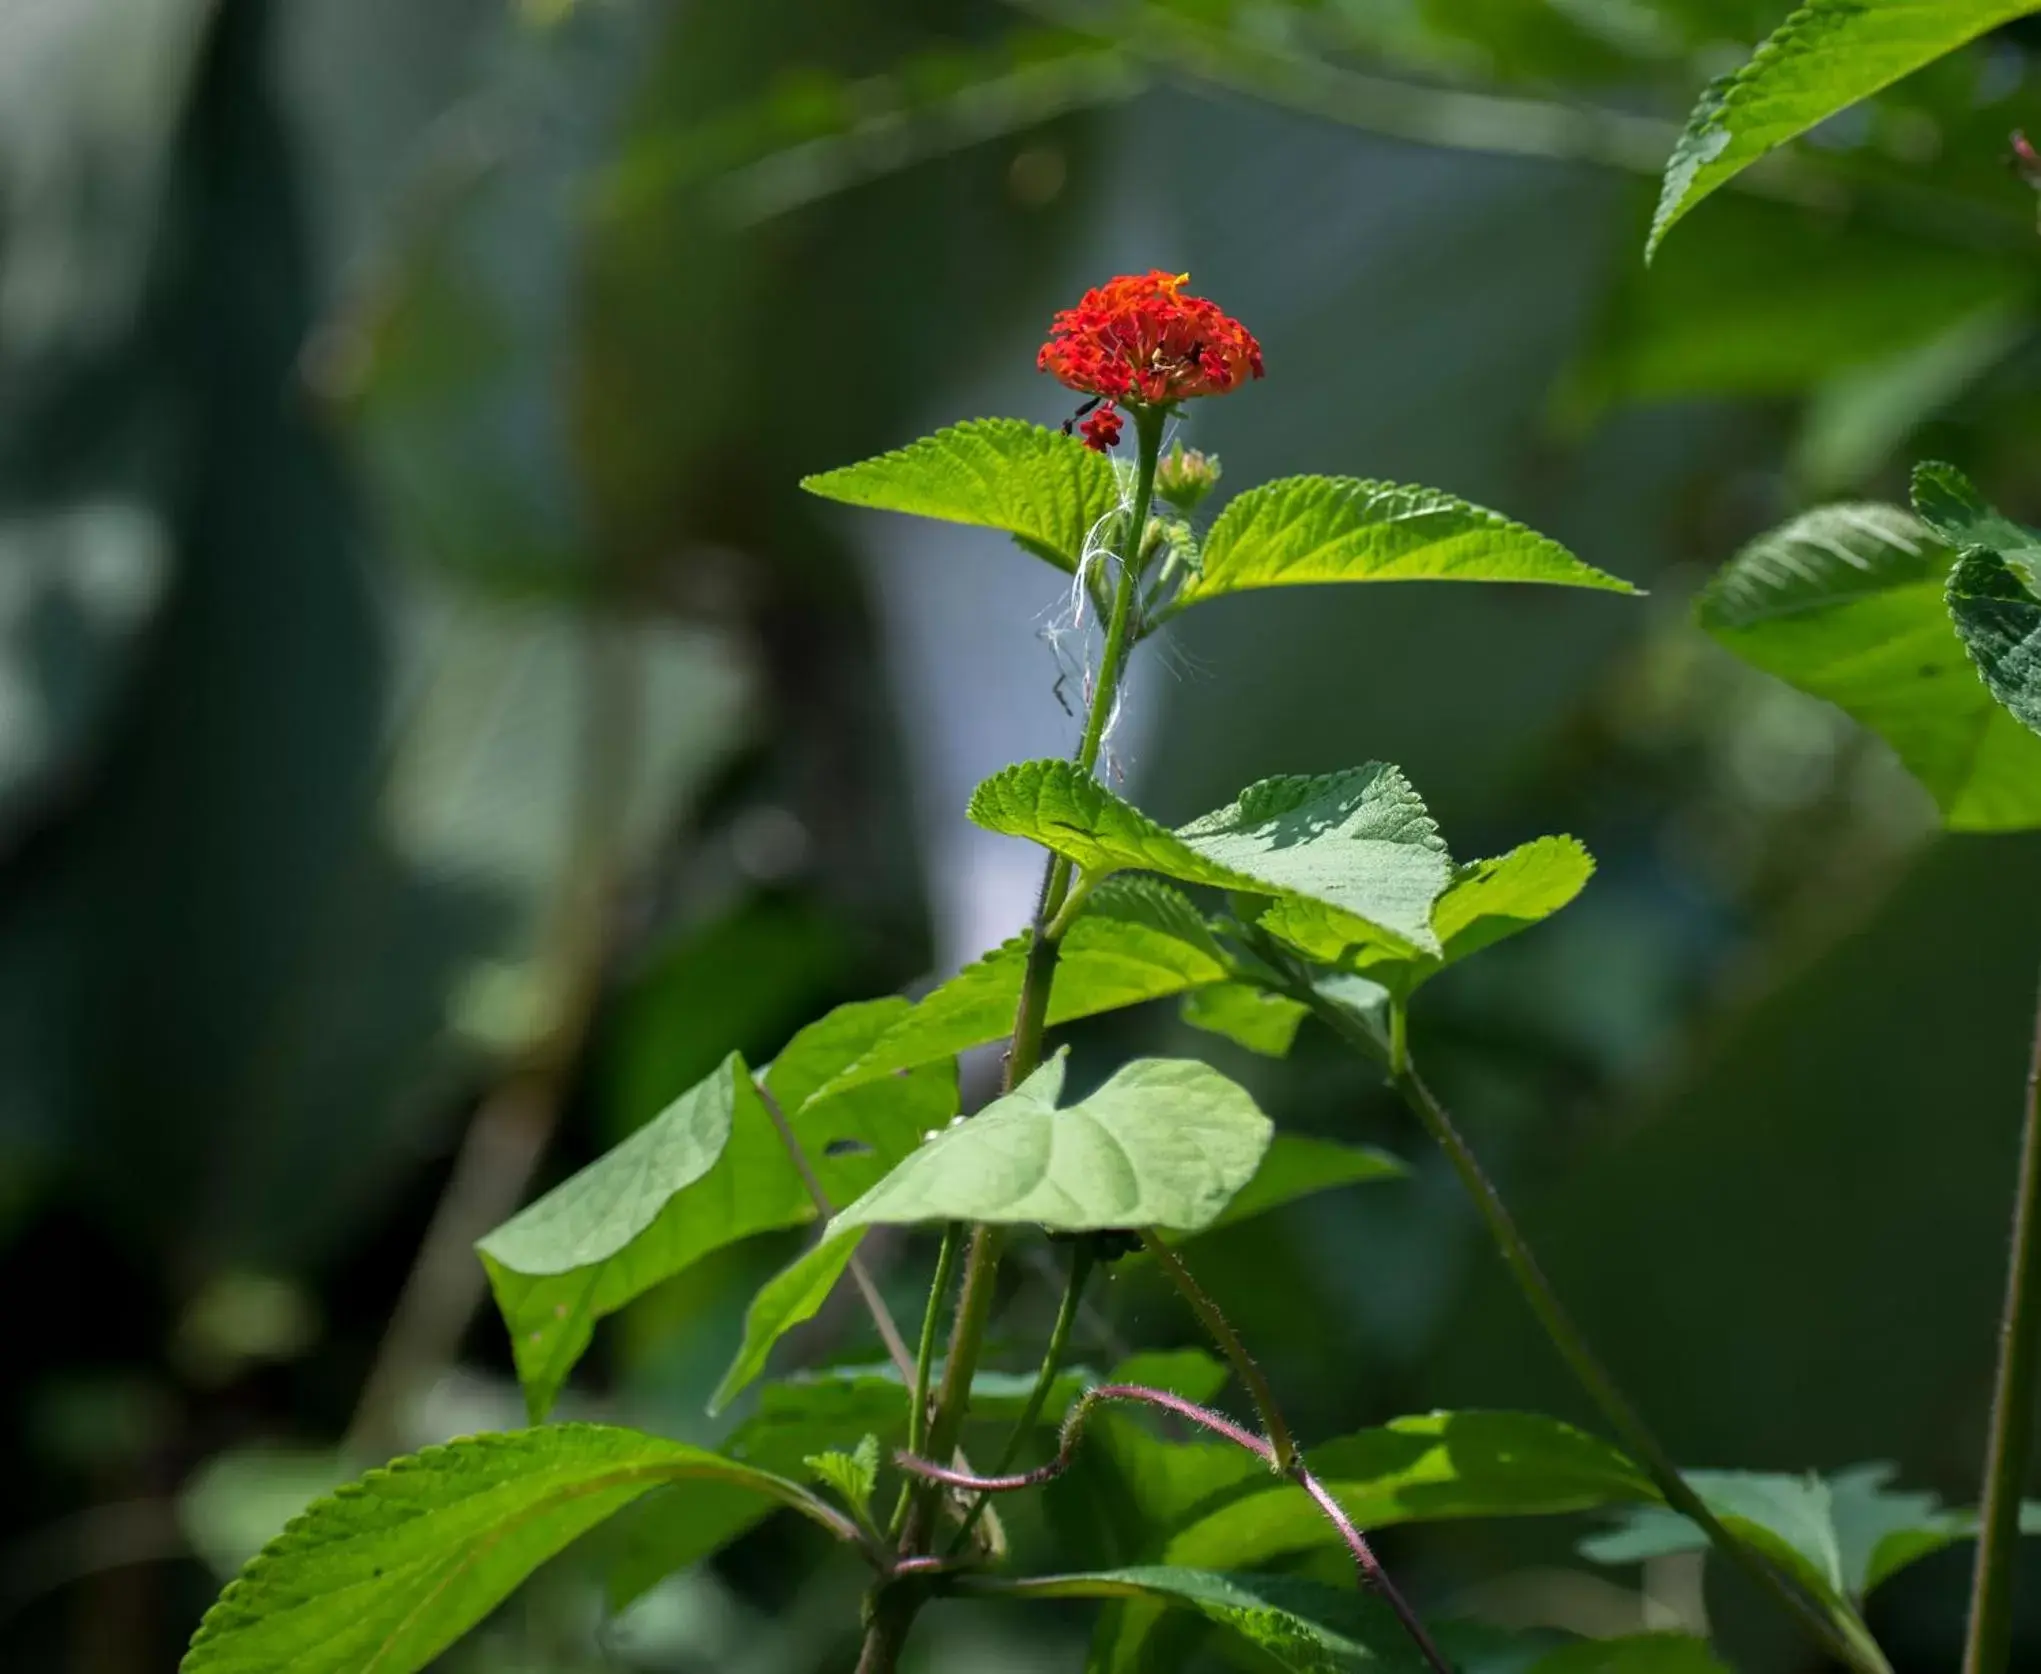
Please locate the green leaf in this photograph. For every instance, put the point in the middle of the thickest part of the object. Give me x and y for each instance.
(1846, 603)
(1165, 1143)
(391, 1570)
(1948, 502)
(1844, 1535)
(1302, 1625)
(795, 1419)
(1298, 1166)
(1359, 842)
(1136, 939)
(1635, 1653)
(1301, 530)
(708, 1171)
(855, 1476)
(1486, 903)
(1821, 60)
(1246, 1015)
(1423, 1469)
(1998, 618)
(1047, 490)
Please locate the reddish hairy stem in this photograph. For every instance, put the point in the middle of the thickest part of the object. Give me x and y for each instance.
(1370, 1567)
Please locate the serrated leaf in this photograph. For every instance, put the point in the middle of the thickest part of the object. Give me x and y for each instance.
(1301, 1625)
(1049, 491)
(1843, 1536)
(1359, 842)
(1633, 1653)
(709, 1170)
(1246, 1015)
(1304, 530)
(1846, 603)
(1164, 1143)
(854, 1475)
(1949, 503)
(387, 1573)
(1998, 618)
(1486, 902)
(1135, 940)
(1821, 60)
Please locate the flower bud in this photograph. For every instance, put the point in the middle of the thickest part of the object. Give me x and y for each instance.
(1184, 476)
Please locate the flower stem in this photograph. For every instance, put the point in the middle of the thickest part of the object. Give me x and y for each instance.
(1082, 1258)
(891, 1615)
(1847, 1639)
(1283, 1446)
(1988, 1646)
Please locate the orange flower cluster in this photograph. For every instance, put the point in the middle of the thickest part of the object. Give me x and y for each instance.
(1138, 338)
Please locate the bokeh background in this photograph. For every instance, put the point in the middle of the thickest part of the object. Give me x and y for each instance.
(434, 728)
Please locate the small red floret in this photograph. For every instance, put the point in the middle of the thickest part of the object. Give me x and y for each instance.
(1102, 430)
(1139, 338)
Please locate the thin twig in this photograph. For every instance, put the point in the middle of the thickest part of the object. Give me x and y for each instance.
(875, 1304)
(1230, 1345)
(1988, 1645)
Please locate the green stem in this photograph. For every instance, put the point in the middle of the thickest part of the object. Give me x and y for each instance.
(1221, 1331)
(1988, 1647)
(1082, 1259)
(1848, 1639)
(891, 1616)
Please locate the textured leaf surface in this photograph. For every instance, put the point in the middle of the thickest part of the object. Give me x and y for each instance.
(1822, 59)
(709, 1170)
(1302, 1625)
(1359, 842)
(1846, 603)
(1137, 939)
(1998, 618)
(1485, 903)
(1049, 491)
(1633, 1653)
(1302, 530)
(384, 1575)
(1166, 1142)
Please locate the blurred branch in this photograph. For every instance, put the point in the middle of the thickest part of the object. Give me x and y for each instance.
(515, 1122)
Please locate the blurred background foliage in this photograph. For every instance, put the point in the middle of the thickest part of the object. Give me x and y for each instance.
(434, 728)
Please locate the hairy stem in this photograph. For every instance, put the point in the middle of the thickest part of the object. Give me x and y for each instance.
(1846, 1639)
(1222, 1333)
(1372, 1574)
(1988, 1647)
(1082, 1259)
(892, 1615)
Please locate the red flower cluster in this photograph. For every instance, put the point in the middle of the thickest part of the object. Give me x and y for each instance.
(1138, 338)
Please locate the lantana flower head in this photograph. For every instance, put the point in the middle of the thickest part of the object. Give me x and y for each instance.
(1140, 339)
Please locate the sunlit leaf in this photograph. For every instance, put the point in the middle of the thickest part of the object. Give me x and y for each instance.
(1047, 490)
(1846, 603)
(1302, 530)
(1165, 1143)
(1359, 842)
(1299, 1166)
(1136, 939)
(1822, 59)
(1246, 1015)
(384, 1575)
